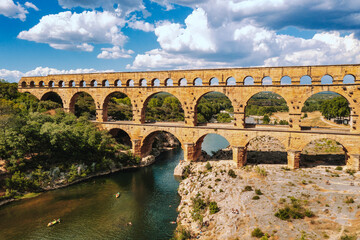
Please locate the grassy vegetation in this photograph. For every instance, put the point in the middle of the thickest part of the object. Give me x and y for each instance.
(295, 210)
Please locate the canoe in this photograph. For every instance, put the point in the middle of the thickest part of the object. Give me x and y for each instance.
(53, 222)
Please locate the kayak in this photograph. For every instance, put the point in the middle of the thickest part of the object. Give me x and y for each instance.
(53, 222)
(117, 195)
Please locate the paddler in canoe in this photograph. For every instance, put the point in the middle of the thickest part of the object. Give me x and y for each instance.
(117, 195)
(53, 222)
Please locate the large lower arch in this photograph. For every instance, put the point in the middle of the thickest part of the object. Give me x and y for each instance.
(266, 149)
(323, 151)
(117, 107)
(157, 139)
(122, 137)
(219, 145)
(50, 100)
(213, 107)
(326, 110)
(162, 107)
(83, 104)
(266, 108)
(52, 96)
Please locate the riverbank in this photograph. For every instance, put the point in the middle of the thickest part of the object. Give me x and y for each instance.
(219, 201)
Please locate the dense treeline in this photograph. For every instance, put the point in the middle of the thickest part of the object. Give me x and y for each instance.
(315, 102)
(41, 147)
(265, 103)
(164, 107)
(210, 107)
(335, 108)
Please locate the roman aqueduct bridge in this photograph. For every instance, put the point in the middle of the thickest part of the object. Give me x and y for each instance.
(294, 84)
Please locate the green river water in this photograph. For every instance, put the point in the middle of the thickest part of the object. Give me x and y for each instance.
(89, 210)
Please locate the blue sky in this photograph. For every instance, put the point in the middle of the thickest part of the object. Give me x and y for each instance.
(75, 36)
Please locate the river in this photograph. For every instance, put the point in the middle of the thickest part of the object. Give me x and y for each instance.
(89, 210)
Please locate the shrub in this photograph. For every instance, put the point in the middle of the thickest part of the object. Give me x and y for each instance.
(347, 237)
(256, 197)
(261, 171)
(232, 174)
(258, 192)
(338, 168)
(257, 233)
(350, 172)
(217, 180)
(309, 213)
(186, 172)
(349, 200)
(247, 188)
(213, 207)
(208, 166)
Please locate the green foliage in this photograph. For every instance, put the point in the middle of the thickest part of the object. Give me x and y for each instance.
(256, 197)
(247, 188)
(349, 200)
(120, 108)
(338, 168)
(349, 237)
(208, 166)
(266, 119)
(198, 205)
(213, 207)
(258, 192)
(261, 171)
(85, 106)
(210, 106)
(186, 172)
(336, 107)
(266, 103)
(164, 107)
(231, 173)
(257, 233)
(294, 211)
(223, 118)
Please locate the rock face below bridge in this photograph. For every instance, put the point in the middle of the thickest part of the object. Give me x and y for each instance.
(333, 196)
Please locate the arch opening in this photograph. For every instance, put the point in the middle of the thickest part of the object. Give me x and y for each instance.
(130, 83)
(326, 110)
(82, 83)
(214, 107)
(231, 81)
(169, 82)
(323, 152)
(214, 82)
(327, 79)
(266, 108)
(49, 101)
(23, 84)
(249, 81)
(32, 84)
(143, 83)
(122, 138)
(183, 82)
(117, 83)
(51, 84)
(212, 146)
(117, 107)
(198, 82)
(266, 81)
(305, 80)
(72, 83)
(61, 83)
(158, 140)
(93, 83)
(41, 84)
(265, 150)
(83, 104)
(155, 82)
(162, 107)
(105, 83)
(286, 80)
(349, 79)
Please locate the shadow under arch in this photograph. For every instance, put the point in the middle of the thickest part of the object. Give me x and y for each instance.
(162, 107)
(266, 103)
(212, 146)
(213, 104)
(83, 104)
(158, 139)
(265, 149)
(54, 97)
(326, 109)
(117, 107)
(323, 151)
(121, 137)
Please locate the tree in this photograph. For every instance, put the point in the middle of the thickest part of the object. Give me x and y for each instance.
(335, 108)
(266, 119)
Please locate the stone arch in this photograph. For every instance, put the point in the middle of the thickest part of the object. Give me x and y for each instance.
(82, 83)
(148, 140)
(349, 79)
(346, 96)
(305, 80)
(32, 84)
(120, 116)
(266, 149)
(327, 79)
(169, 82)
(323, 151)
(61, 83)
(183, 82)
(91, 108)
(41, 84)
(72, 83)
(143, 82)
(51, 84)
(121, 136)
(130, 83)
(105, 83)
(214, 81)
(155, 82)
(285, 80)
(230, 81)
(199, 144)
(249, 80)
(249, 121)
(117, 83)
(52, 96)
(197, 82)
(93, 83)
(145, 104)
(198, 101)
(266, 81)
(23, 84)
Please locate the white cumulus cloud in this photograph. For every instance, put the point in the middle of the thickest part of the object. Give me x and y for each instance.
(141, 25)
(9, 9)
(115, 53)
(67, 30)
(31, 5)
